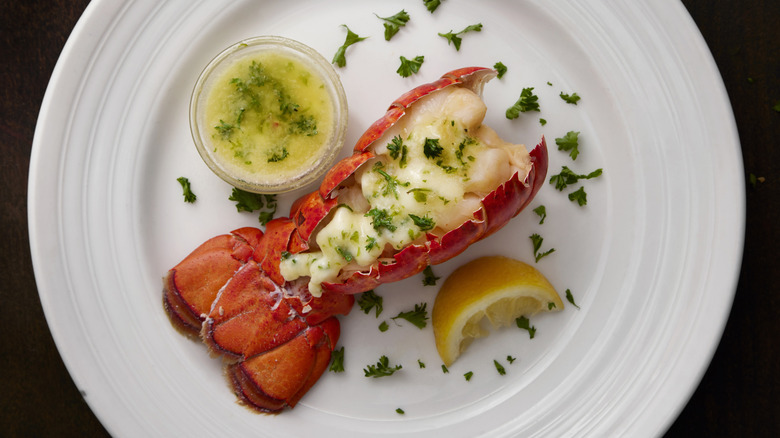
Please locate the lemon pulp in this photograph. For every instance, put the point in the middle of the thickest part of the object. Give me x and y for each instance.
(496, 288)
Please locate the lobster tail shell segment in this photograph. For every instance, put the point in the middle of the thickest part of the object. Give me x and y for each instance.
(190, 287)
(276, 379)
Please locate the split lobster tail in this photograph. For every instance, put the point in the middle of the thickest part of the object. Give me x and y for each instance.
(248, 294)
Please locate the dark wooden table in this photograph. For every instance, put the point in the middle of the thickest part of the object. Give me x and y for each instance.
(739, 395)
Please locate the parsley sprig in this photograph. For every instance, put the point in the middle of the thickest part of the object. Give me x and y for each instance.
(499, 367)
(370, 300)
(525, 324)
(189, 196)
(579, 196)
(569, 143)
(340, 58)
(500, 68)
(381, 369)
(570, 98)
(418, 317)
(528, 101)
(567, 176)
(431, 5)
(541, 211)
(455, 39)
(394, 23)
(250, 202)
(337, 361)
(410, 66)
(537, 242)
(429, 278)
(570, 298)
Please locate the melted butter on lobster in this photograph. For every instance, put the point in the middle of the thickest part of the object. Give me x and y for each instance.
(425, 181)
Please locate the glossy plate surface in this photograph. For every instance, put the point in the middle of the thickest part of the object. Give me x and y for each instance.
(651, 260)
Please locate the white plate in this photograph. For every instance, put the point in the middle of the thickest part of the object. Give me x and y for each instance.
(652, 260)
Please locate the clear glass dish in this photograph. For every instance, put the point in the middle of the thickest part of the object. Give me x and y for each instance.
(300, 169)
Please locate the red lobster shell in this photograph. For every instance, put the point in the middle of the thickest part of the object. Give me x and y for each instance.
(275, 336)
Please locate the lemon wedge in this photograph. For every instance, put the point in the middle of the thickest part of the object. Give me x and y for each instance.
(495, 288)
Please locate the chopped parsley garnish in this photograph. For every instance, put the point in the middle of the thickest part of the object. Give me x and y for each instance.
(455, 39)
(423, 223)
(444, 369)
(189, 196)
(337, 361)
(383, 326)
(224, 129)
(500, 68)
(523, 323)
(468, 375)
(409, 67)
(446, 168)
(397, 148)
(345, 254)
(418, 316)
(370, 300)
(570, 98)
(528, 101)
(429, 279)
(431, 148)
(569, 143)
(394, 23)
(431, 5)
(537, 241)
(391, 187)
(381, 369)
(381, 219)
(468, 141)
(570, 298)
(567, 176)
(551, 305)
(246, 201)
(420, 195)
(371, 243)
(579, 196)
(420, 363)
(305, 125)
(499, 367)
(511, 359)
(542, 122)
(542, 212)
(400, 411)
(278, 154)
(340, 58)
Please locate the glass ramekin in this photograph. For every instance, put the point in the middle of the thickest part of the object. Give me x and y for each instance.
(317, 65)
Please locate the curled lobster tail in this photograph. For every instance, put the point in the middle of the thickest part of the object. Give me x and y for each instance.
(275, 335)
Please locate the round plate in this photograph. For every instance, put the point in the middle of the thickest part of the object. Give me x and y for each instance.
(651, 260)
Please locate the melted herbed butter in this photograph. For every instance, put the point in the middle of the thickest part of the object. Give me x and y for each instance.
(270, 118)
(431, 171)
